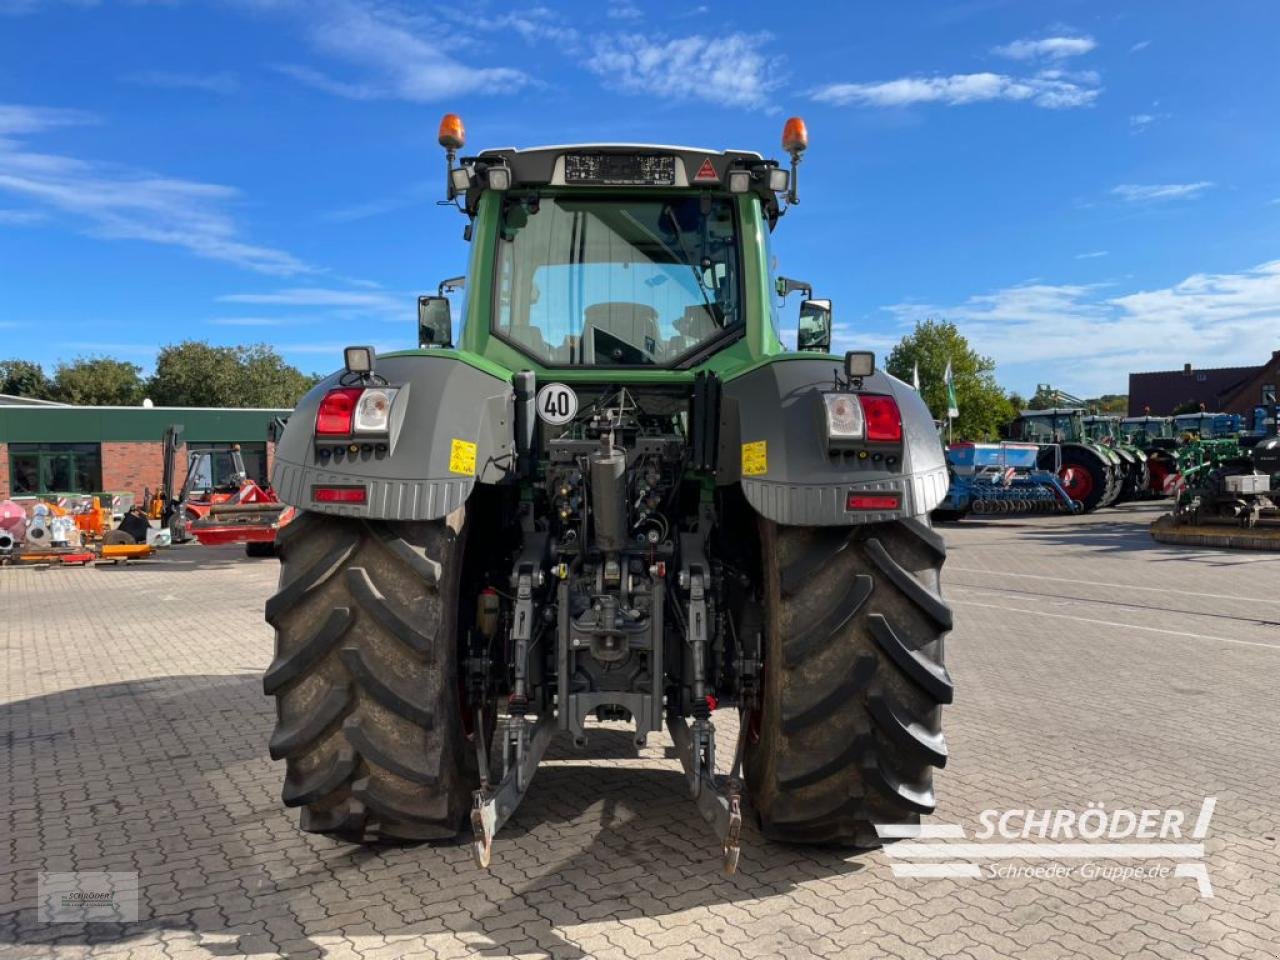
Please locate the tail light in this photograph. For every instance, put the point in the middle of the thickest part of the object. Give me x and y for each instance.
(883, 420)
(339, 494)
(872, 501)
(336, 412)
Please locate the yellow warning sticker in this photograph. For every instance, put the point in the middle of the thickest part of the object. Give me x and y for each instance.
(755, 458)
(462, 458)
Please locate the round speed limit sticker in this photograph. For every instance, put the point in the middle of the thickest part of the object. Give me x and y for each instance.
(556, 404)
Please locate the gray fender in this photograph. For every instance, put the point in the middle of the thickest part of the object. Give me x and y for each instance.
(448, 405)
(779, 404)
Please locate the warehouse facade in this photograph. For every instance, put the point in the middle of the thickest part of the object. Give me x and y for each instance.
(53, 449)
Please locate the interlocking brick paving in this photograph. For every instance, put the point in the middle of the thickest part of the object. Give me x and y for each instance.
(1091, 665)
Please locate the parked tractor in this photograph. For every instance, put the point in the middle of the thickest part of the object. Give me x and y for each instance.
(1105, 431)
(1155, 437)
(1092, 473)
(613, 496)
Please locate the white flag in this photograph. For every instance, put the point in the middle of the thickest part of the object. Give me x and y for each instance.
(953, 409)
(915, 376)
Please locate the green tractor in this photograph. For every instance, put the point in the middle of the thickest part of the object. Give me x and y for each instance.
(1106, 431)
(611, 494)
(1093, 473)
(1156, 437)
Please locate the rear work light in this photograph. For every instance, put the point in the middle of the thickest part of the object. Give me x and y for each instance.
(884, 422)
(337, 409)
(339, 494)
(872, 501)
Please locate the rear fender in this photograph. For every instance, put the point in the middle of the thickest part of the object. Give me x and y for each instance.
(452, 428)
(773, 442)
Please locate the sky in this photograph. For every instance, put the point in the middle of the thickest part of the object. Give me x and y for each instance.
(1086, 189)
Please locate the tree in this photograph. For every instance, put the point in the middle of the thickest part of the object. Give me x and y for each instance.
(269, 381)
(98, 382)
(22, 378)
(983, 406)
(197, 374)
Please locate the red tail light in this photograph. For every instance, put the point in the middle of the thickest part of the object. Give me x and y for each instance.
(883, 420)
(333, 419)
(872, 501)
(338, 494)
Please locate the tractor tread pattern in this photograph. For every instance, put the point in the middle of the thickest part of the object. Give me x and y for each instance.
(820, 633)
(928, 746)
(381, 690)
(389, 617)
(321, 781)
(850, 729)
(293, 740)
(283, 672)
(821, 553)
(922, 596)
(931, 677)
(291, 595)
(857, 677)
(368, 719)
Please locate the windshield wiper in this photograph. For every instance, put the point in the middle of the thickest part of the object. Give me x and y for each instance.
(684, 252)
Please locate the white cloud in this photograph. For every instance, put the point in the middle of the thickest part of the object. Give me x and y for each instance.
(731, 70)
(19, 218)
(400, 55)
(321, 297)
(1088, 340)
(225, 83)
(1140, 45)
(1050, 48)
(1092, 254)
(624, 10)
(1149, 192)
(122, 204)
(1052, 89)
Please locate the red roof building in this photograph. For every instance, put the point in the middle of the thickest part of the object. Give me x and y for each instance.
(1219, 389)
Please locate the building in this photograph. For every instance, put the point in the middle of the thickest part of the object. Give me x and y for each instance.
(1219, 389)
(50, 448)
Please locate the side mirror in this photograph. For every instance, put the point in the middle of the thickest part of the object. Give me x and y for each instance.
(435, 322)
(814, 332)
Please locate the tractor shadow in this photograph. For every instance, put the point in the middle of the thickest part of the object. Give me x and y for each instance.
(169, 778)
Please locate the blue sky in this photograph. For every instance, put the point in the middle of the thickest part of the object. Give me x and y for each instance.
(1086, 188)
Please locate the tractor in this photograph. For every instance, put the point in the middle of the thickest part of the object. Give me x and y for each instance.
(1094, 474)
(611, 495)
(1106, 431)
(1155, 437)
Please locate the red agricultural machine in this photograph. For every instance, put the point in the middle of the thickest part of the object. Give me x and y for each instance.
(218, 503)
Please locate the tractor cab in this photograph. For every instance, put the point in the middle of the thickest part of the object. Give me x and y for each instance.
(614, 261)
(1055, 425)
(1102, 429)
(1146, 431)
(1207, 426)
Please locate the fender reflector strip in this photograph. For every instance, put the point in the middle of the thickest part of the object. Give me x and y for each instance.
(338, 494)
(872, 501)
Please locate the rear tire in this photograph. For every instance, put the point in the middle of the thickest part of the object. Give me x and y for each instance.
(1091, 484)
(365, 678)
(850, 726)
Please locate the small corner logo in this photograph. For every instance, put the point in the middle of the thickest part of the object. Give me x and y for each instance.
(87, 897)
(1093, 844)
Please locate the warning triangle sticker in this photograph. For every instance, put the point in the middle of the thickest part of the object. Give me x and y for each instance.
(706, 171)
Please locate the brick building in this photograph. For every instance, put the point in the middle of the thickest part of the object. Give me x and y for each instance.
(58, 449)
(1219, 389)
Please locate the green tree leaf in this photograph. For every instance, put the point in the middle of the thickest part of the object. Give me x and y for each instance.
(98, 382)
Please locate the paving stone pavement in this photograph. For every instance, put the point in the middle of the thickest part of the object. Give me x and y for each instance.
(1091, 665)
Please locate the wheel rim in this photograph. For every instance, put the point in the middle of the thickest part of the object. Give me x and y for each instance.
(1077, 481)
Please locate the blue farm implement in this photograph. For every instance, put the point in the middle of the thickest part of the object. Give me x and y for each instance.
(1001, 478)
